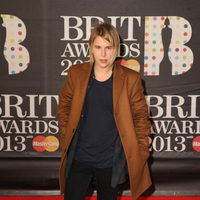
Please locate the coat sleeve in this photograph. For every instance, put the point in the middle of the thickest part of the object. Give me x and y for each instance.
(64, 106)
(140, 116)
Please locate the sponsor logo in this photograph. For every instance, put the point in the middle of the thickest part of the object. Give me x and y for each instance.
(196, 143)
(42, 143)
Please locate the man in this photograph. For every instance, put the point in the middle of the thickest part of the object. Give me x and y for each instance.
(104, 123)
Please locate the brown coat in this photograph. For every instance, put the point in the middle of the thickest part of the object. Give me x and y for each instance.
(130, 113)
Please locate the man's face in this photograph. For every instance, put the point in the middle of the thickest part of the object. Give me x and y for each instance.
(103, 52)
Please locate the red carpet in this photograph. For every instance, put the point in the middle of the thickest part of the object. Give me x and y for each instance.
(94, 198)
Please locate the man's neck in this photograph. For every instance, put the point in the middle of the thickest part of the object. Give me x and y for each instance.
(102, 74)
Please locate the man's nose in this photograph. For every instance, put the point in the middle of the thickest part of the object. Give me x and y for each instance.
(103, 52)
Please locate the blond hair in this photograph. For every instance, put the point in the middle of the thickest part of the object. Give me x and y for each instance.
(109, 33)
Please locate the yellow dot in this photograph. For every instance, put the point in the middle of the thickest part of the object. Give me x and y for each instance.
(147, 18)
(146, 26)
(154, 49)
(177, 42)
(20, 56)
(184, 57)
(12, 41)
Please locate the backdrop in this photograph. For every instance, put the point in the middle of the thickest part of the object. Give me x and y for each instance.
(40, 40)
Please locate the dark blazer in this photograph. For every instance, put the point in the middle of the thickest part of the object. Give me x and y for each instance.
(130, 113)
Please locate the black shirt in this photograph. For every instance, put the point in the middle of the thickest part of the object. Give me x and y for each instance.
(97, 132)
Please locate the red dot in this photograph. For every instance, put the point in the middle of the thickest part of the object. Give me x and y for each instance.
(146, 34)
(185, 33)
(145, 65)
(146, 42)
(153, 57)
(177, 49)
(162, 18)
(20, 48)
(19, 33)
(184, 49)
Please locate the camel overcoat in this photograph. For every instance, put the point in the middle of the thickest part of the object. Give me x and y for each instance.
(130, 114)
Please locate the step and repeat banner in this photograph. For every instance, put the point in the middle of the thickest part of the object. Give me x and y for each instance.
(40, 40)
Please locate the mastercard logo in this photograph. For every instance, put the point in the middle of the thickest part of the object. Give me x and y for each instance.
(196, 144)
(42, 143)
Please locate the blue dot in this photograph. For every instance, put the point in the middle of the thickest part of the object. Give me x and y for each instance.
(176, 73)
(13, 72)
(146, 58)
(184, 65)
(153, 65)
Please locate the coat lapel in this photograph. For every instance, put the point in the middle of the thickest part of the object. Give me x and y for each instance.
(83, 82)
(118, 82)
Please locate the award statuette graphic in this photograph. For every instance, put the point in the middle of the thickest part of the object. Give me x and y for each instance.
(166, 65)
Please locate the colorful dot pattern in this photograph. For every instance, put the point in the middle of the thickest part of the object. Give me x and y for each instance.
(16, 55)
(153, 52)
(179, 54)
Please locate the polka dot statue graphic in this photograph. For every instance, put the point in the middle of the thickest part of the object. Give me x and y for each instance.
(16, 55)
(166, 46)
